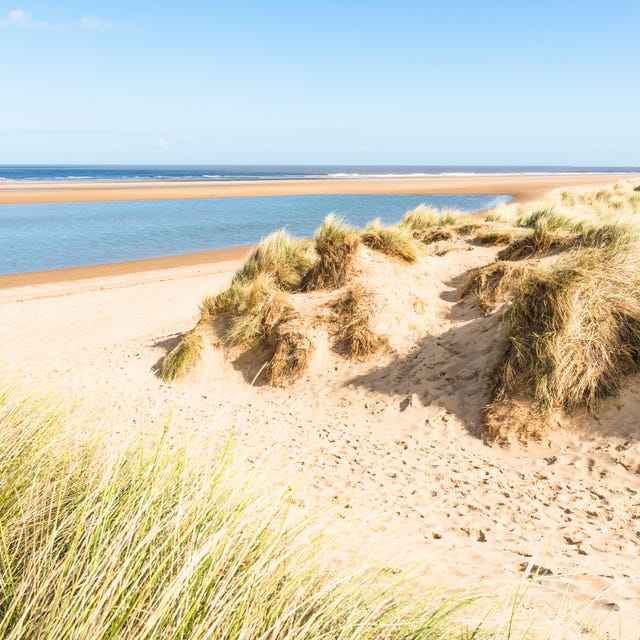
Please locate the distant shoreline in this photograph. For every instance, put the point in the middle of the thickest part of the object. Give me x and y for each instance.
(522, 188)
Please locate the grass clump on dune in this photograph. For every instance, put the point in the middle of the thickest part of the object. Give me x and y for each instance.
(552, 218)
(285, 259)
(437, 234)
(449, 216)
(573, 332)
(246, 306)
(537, 244)
(292, 349)
(590, 233)
(278, 264)
(421, 218)
(355, 335)
(180, 360)
(493, 284)
(335, 246)
(152, 543)
(392, 241)
(495, 236)
(425, 217)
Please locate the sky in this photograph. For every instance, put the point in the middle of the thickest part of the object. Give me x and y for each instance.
(344, 82)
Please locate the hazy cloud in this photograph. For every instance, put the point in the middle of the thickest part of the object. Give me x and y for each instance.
(19, 19)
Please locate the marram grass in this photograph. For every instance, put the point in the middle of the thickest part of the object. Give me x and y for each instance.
(183, 357)
(395, 242)
(336, 244)
(573, 325)
(152, 544)
(421, 218)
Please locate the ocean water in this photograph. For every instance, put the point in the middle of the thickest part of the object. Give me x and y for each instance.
(39, 237)
(32, 173)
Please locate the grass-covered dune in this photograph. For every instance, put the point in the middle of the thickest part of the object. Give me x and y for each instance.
(571, 284)
(266, 299)
(565, 277)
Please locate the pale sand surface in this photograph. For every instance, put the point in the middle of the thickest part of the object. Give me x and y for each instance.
(521, 187)
(392, 444)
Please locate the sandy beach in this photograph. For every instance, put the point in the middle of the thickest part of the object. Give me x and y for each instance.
(392, 444)
(522, 188)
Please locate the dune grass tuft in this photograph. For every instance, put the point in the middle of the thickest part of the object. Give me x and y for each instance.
(156, 543)
(278, 264)
(285, 259)
(589, 233)
(493, 284)
(355, 336)
(537, 244)
(256, 293)
(292, 349)
(573, 330)
(437, 234)
(552, 218)
(449, 216)
(335, 246)
(392, 241)
(421, 218)
(495, 236)
(182, 358)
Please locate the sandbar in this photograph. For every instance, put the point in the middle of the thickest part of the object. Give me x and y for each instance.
(522, 188)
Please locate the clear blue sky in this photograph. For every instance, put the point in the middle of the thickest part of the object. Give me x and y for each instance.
(469, 82)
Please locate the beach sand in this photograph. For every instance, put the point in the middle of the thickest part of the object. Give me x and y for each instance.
(520, 187)
(392, 445)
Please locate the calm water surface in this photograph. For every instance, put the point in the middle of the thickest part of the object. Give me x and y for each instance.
(38, 237)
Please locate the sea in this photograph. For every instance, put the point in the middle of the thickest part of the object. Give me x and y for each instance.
(277, 172)
(41, 237)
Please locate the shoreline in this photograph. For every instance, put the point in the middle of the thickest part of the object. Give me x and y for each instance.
(73, 274)
(521, 188)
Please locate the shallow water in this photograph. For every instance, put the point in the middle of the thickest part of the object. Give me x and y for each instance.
(38, 237)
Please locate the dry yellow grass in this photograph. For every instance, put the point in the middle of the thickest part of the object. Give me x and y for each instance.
(156, 542)
(292, 349)
(493, 284)
(573, 331)
(396, 242)
(181, 360)
(353, 313)
(335, 246)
